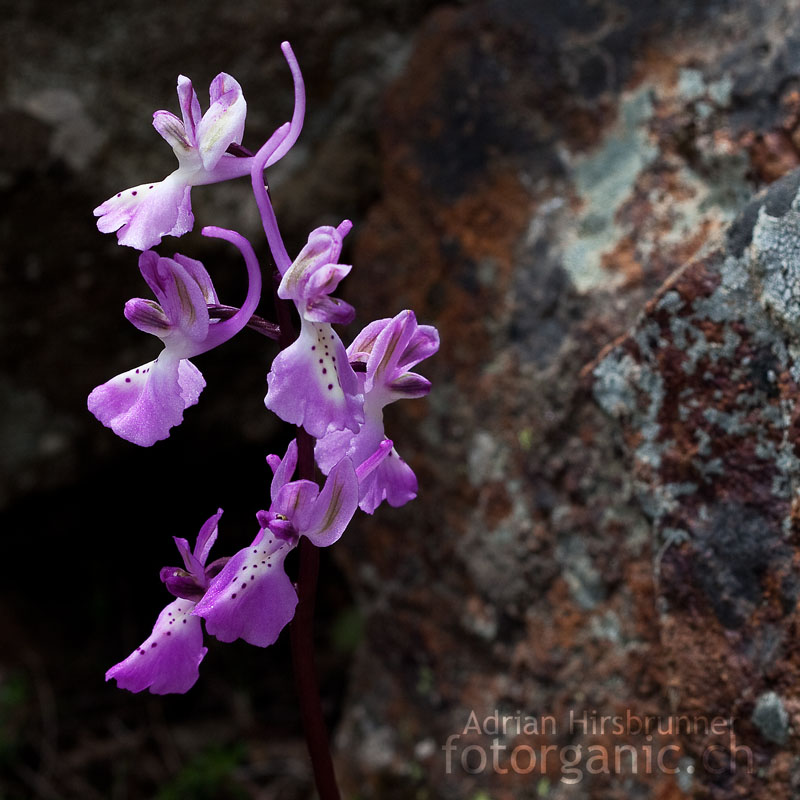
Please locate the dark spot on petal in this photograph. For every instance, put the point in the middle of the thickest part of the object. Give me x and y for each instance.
(330, 386)
(233, 596)
(127, 380)
(134, 194)
(155, 644)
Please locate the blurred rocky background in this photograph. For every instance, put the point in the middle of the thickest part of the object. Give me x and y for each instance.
(595, 203)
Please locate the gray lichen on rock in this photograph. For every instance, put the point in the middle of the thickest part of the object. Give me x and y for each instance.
(721, 342)
(771, 718)
(604, 180)
(776, 265)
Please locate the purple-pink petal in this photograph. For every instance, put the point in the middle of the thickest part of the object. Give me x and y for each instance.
(334, 507)
(145, 213)
(335, 445)
(311, 383)
(174, 133)
(314, 274)
(206, 538)
(223, 123)
(330, 310)
(200, 276)
(326, 278)
(282, 468)
(222, 85)
(371, 463)
(409, 386)
(252, 598)
(281, 527)
(143, 404)
(190, 107)
(190, 382)
(190, 562)
(391, 347)
(168, 660)
(319, 254)
(183, 301)
(362, 345)
(388, 349)
(393, 480)
(295, 501)
(424, 343)
(180, 584)
(147, 316)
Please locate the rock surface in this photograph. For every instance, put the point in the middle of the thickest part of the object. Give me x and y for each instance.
(545, 176)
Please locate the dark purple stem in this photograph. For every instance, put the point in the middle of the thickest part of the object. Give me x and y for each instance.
(302, 626)
(302, 638)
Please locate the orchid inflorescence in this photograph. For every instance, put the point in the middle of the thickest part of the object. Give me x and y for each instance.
(333, 394)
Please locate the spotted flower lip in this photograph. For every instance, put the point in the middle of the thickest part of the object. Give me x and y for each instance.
(168, 660)
(252, 598)
(389, 348)
(143, 214)
(311, 383)
(144, 403)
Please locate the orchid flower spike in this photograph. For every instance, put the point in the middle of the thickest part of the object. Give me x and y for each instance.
(252, 598)
(168, 660)
(311, 383)
(388, 348)
(143, 214)
(143, 404)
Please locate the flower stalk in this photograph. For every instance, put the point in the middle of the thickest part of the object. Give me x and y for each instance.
(302, 640)
(301, 629)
